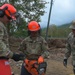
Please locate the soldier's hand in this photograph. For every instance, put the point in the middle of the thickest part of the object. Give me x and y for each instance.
(65, 62)
(18, 57)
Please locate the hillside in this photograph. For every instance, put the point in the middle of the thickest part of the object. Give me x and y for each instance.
(65, 25)
(60, 26)
(55, 31)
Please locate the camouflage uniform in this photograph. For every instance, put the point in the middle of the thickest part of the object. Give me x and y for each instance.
(34, 48)
(4, 46)
(71, 44)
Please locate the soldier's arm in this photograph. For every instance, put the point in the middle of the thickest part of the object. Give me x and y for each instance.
(45, 48)
(4, 50)
(68, 49)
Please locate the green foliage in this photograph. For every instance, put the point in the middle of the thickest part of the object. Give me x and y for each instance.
(57, 31)
(29, 10)
(20, 29)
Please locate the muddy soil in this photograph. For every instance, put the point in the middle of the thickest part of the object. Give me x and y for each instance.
(55, 62)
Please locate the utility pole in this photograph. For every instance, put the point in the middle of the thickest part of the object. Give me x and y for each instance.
(49, 19)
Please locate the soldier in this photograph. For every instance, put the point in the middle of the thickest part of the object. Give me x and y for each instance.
(7, 13)
(70, 47)
(34, 47)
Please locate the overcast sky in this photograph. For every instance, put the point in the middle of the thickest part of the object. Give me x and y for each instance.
(63, 11)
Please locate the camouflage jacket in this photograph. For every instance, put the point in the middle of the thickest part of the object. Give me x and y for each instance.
(34, 48)
(4, 45)
(70, 47)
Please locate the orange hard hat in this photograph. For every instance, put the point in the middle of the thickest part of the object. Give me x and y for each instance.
(10, 11)
(33, 26)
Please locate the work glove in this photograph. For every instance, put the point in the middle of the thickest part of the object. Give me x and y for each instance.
(65, 62)
(40, 59)
(26, 61)
(18, 57)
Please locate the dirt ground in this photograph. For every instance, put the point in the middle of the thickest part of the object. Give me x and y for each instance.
(55, 62)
